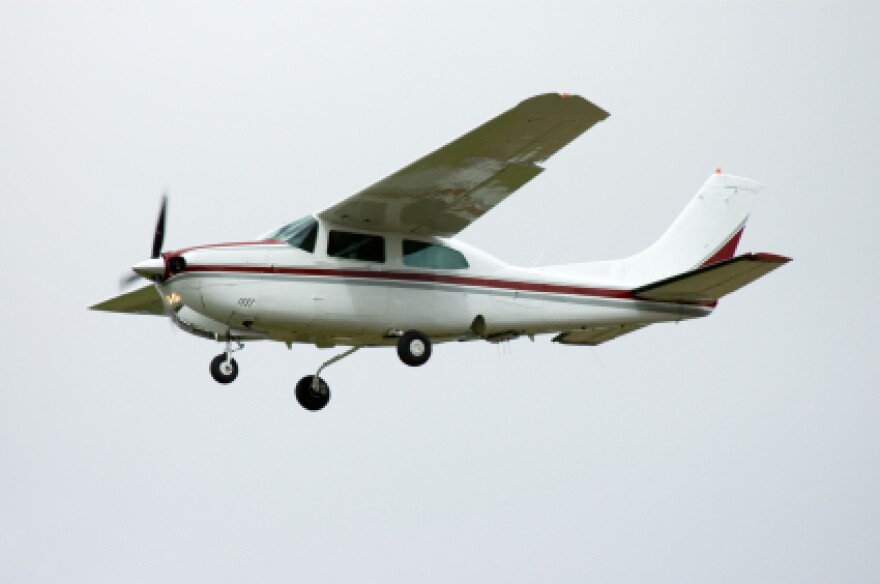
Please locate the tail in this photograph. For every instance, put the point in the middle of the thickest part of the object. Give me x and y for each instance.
(705, 233)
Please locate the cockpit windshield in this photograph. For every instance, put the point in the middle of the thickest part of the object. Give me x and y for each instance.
(301, 233)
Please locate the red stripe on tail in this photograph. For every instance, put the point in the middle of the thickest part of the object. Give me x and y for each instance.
(727, 250)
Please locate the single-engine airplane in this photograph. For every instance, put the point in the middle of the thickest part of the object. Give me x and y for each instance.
(380, 268)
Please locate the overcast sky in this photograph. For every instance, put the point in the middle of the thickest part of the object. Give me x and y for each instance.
(738, 448)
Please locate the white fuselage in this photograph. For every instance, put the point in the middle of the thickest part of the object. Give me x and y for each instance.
(271, 290)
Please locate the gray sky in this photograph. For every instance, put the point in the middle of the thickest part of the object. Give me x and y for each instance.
(742, 447)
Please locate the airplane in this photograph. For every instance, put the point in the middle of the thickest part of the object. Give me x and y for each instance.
(382, 268)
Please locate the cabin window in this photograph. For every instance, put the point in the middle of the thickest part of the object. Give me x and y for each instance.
(302, 234)
(420, 254)
(356, 246)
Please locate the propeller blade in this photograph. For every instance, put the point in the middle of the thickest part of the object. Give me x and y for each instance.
(159, 237)
(126, 281)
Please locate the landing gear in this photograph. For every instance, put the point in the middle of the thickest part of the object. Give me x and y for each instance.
(312, 393)
(224, 369)
(414, 348)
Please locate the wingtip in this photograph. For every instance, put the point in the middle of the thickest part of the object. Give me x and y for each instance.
(557, 102)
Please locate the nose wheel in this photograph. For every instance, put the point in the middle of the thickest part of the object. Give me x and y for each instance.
(224, 369)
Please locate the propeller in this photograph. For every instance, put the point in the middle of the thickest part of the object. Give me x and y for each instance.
(156, 252)
(159, 237)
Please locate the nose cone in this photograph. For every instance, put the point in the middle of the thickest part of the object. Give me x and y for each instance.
(149, 268)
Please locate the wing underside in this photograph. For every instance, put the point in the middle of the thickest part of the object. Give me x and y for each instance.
(447, 190)
(595, 335)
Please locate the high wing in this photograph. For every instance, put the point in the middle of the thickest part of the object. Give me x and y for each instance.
(447, 190)
(144, 300)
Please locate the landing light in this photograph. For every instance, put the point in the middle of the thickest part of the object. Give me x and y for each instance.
(173, 298)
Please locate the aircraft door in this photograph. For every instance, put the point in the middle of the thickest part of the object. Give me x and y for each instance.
(350, 299)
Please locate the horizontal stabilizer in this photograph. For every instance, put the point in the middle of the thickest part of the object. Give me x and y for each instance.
(712, 282)
(595, 335)
(144, 300)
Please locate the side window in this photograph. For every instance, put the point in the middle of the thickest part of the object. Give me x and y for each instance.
(356, 246)
(420, 254)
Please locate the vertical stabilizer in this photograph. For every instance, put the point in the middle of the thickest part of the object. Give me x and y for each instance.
(707, 230)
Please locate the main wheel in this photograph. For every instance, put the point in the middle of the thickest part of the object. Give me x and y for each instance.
(309, 398)
(223, 371)
(414, 348)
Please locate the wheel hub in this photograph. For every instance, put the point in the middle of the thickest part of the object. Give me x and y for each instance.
(417, 348)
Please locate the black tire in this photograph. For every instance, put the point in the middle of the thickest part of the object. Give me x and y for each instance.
(414, 348)
(221, 372)
(308, 398)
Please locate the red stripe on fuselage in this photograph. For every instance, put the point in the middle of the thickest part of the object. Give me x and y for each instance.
(181, 251)
(422, 277)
